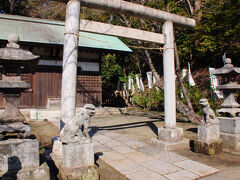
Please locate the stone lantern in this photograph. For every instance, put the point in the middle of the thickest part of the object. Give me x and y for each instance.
(19, 156)
(12, 61)
(230, 110)
(228, 74)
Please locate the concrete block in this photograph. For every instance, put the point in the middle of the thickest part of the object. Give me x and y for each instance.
(33, 114)
(170, 135)
(53, 103)
(77, 155)
(16, 154)
(210, 148)
(229, 125)
(231, 141)
(209, 133)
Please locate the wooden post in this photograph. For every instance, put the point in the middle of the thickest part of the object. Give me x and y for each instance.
(70, 57)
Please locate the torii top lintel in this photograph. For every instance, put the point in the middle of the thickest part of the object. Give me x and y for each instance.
(136, 10)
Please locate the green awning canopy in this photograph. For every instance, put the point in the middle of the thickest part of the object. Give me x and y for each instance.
(52, 32)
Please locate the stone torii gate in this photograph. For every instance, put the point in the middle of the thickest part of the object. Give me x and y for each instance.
(72, 26)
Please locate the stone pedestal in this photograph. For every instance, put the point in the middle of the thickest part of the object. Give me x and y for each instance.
(170, 134)
(209, 141)
(170, 138)
(74, 160)
(78, 154)
(11, 112)
(208, 133)
(16, 154)
(20, 158)
(230, 132)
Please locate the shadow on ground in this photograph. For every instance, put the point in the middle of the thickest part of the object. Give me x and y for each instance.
(150, 124)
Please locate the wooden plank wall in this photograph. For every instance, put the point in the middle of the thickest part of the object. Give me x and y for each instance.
(46, 85)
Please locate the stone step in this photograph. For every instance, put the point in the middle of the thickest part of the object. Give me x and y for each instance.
(137, 160)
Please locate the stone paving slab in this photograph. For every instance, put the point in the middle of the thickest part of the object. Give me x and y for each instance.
(145, 175)
(181, 175)
(121, 138)
(101, 138)
(135, 144)
(150, 150)
(139, 161)
(123, 149)
(169, 157)
(100, 148)
(126, 166)
(111, 156)
(139, 156)
(196, 167)
(161, 167)
(112, 143)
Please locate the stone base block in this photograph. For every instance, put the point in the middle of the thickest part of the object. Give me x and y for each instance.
(207, 148)
(209, 133)
(16, 154)
(231, 141)
(77, 155)
(229, 125)
(41, 172)
(80, 173)
(170, 135)
(168, 146)
(56, 148)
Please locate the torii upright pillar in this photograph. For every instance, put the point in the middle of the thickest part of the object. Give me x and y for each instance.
(169, 133)
(77, 151)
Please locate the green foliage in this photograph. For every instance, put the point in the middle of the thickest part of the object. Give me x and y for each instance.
(195, 94)
(110, 69)
(149, 99)
(217, 33)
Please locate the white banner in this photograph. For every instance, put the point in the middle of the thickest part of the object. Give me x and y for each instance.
(138, 83)
(214, 83)
(150, 80)
(190, 78)
(141, 84)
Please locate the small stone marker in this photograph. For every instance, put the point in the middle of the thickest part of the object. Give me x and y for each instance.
(209, 141)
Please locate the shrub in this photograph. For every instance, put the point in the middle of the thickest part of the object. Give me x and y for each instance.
(151, 99)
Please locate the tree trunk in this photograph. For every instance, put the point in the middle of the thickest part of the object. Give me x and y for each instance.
(11, 6)
(190, 7)
(197, 10)
(184, 90)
